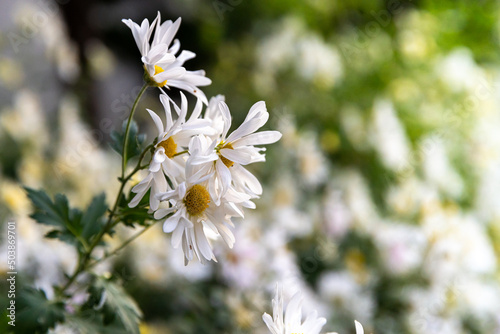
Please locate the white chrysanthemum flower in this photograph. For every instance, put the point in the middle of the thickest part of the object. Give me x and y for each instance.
(236, 150)
(163, 68)
(166, 161)
(193, 211)
(292, 321)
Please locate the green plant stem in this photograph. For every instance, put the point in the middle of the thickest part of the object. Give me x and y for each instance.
(129, 121)
(125, 243)
(179, 153)
(83, 261)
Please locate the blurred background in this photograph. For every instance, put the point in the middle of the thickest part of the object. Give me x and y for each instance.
(381, 202)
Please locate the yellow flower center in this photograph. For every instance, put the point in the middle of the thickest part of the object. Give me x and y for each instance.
(151, 81)
(170, 147)
(225, 160)
(196, 200)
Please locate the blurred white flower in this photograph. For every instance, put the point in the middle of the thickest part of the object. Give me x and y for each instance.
(336, 215)
(318, 61)
(341, 290)
(439, 170)
(163, 67)
(457, 245)
(291, 321)
(311, 162)
(459, 70)
(389, 136)
(401, 246)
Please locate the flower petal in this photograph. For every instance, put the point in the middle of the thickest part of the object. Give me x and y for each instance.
(259, 138)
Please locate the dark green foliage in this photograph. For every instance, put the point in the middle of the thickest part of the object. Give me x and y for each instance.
(134, 143)
(109, 305)
(137, 215)
(71, 225)
(36, 314)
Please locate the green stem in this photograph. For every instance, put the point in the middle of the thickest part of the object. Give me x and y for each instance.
(130, 117)
(125, 243)
(83, 261)
(179, 153)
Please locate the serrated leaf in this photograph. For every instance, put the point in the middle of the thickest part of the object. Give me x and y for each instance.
(134, 143)
(72, 226)
(47, 212)
(118, 305)
(36, 314)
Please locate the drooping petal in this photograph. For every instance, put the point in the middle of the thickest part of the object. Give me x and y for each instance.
(157, 121)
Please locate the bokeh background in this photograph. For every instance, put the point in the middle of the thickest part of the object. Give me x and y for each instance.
(381, 202)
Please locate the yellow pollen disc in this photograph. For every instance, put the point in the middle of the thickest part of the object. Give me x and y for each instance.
(158, 69)
(150, 80)
(225, 160)
(170, 147)
(196, 200)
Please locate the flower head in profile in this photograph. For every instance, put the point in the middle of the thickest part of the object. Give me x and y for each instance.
(163, 67)
(292, 320)
(235, 151)
(173, 138)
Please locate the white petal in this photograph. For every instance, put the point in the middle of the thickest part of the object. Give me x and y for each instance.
(224, 175)
(157, 121)
(245, 129)
(259, 138)
(202, 242)
(171, 223)
(169, 74)
(177, 235)
(160, 213)
(270, 324)
(359, 328)
(237, 156)
(243, 176)
(189, 87)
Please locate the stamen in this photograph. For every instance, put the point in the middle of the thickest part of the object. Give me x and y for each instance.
(150, 80)
(196, 200)
(225, 160)
(170, 147)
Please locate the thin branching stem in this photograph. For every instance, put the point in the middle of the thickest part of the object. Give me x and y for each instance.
(83, 262)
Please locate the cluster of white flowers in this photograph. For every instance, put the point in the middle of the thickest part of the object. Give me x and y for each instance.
(197, 179)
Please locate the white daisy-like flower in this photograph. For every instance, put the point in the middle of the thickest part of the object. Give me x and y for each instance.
(235, 151)
(291, 322)
(193, 210)
(173, 138)
(163, 68)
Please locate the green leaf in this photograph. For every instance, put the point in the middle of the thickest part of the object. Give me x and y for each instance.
(135, 141)
(136, 215)
(92, 219)
(118, 306)
(47, 212)
(36, 314)
(72, 226)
